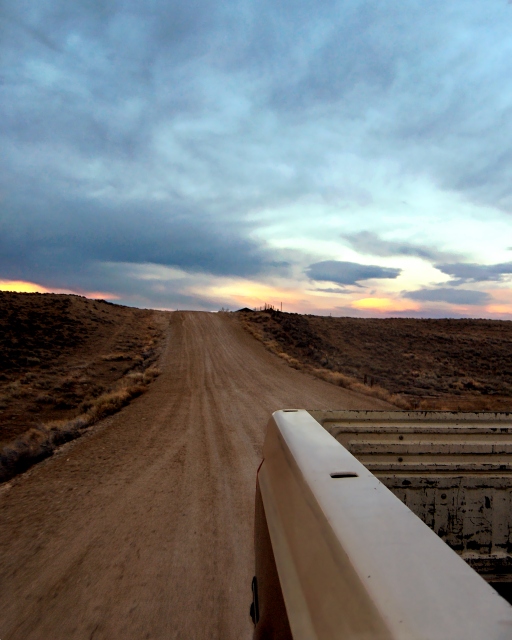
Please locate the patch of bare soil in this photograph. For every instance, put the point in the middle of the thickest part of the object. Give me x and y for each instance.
(428, 364)
(61, 353)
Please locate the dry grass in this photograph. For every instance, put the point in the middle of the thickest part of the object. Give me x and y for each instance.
(84, 348)
(67, 362)
(117, 357)
(39, 442)
(334, 377)
(415, 364)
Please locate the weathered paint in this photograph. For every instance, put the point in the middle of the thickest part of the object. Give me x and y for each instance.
(452, 469)
(352, 560)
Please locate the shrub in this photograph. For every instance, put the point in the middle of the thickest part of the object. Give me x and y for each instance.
(110, 403)
(150, 374)
(43, 398)
(39, 442)
(327, 374)
(116, 357)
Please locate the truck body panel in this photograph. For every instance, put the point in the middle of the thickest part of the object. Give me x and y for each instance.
(452, 469)
(351, 559)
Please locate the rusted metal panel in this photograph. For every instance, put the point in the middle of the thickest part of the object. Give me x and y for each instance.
(352, 560)
(452, 469)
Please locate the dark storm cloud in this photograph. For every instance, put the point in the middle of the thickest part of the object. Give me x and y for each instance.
(348, 273)
(369, 242)
(463, 272)
(50, 237)
(141, 288)
(452, 296)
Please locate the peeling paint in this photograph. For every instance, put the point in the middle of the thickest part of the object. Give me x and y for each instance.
(454, 471)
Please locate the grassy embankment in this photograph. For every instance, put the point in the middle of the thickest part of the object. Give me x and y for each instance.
(463, 365)
(67, 362)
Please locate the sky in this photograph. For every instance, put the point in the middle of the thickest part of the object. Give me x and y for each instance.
(350, 158)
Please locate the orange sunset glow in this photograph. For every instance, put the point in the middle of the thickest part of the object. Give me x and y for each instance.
(21, 286)
(253, 294)
(384, 305)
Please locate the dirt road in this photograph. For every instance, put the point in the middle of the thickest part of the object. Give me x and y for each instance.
(143, 528)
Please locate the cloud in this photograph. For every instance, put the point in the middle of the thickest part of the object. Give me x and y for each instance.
(452, 296)
(369, 242)
(163, 133)
(426, 311)
(463, 272)
(207, 83)
(333, 290)
(349, 273)
(62, 242)
(432, 102)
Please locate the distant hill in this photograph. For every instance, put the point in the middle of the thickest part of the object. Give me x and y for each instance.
(432, 364)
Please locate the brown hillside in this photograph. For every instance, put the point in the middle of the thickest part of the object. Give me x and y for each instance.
(60, 352)
(448, 363)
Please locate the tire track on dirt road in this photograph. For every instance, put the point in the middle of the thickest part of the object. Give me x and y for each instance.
(143, 529)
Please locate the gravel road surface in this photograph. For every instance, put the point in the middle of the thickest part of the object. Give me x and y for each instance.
(143, 527)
